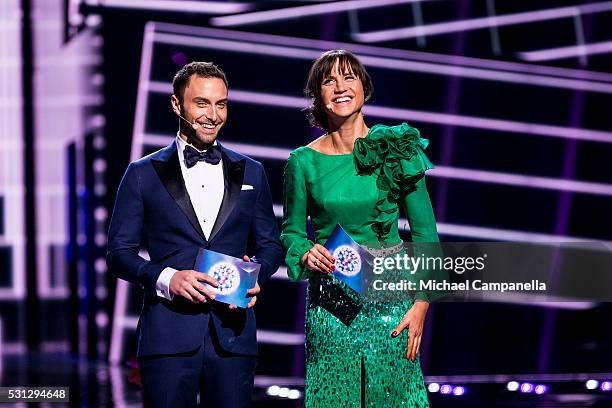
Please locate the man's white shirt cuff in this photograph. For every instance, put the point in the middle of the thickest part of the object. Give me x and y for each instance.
(163, 283)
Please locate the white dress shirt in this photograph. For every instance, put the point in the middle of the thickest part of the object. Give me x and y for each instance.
(205, 186)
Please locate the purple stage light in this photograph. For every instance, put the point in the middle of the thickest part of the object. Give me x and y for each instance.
(480, 23)
(566, 52)
(606, 386)
(526, 387)
(459, 390)
(204, 7)
(101, 319)
(289, 13)
(446, 389)
(540, 389)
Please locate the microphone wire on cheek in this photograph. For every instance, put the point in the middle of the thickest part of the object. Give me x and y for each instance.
(194, 125)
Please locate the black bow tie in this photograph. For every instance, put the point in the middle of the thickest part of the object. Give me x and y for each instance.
(192, 156)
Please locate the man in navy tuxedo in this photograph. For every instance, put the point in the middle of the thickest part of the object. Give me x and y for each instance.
(192, 194)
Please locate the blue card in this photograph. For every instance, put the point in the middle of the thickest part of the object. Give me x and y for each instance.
(351, 258)
(234, 275)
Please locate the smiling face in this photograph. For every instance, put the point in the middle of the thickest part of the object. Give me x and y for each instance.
(204, 104)
(338, 85)
(342, 93)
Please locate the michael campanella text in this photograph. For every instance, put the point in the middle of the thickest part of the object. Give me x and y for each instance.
(477, 284)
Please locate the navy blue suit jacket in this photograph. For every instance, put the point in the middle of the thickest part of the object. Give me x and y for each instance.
(153, 210)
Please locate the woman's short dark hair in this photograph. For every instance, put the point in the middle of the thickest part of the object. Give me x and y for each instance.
(320, 69)
(198, 68)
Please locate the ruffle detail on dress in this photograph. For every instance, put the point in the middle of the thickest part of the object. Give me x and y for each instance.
(397, 154)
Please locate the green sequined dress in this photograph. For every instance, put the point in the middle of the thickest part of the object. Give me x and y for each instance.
(351, 359)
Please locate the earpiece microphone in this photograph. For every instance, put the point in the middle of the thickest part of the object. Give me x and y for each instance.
(194, 125)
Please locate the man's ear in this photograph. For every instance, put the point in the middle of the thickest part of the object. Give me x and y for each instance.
(176, 105)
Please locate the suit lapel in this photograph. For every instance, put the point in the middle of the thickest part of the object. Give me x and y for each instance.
(233, 175)
(169, 172)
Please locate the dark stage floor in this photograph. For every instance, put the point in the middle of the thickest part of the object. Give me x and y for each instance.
(95, 384)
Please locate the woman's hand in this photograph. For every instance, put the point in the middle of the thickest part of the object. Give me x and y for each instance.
(319, 259)
(413, 320)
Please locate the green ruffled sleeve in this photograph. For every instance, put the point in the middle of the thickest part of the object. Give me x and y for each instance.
(294, 235)
(396, 153)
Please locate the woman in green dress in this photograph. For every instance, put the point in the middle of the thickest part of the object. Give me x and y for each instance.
(357, 354)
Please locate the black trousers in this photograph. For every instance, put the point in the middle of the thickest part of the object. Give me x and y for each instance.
(223, 380)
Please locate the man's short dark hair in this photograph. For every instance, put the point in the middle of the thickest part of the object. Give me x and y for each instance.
(198, 68)
(320, 69)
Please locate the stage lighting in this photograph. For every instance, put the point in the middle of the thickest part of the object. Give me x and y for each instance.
(273, 390)
(606, 386)
(459, 390)
(100, 265)
(100, 239)
(526, 387)
(99, 165)
(433, 387)
(592, 384)
(446, 389)
(512, 386)
(101, 292)
(540, 389)
(293, 394)
(100, 214)
(99, 189)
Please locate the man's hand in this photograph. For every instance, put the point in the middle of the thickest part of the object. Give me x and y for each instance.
(254, 291)
(187, 284)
